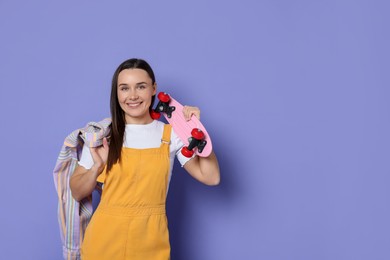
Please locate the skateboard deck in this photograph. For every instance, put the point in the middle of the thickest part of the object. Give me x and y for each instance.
(192, 133)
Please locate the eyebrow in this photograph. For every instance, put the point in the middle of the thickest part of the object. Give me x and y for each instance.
(139, 83)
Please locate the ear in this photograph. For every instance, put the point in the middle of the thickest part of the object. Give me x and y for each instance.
(154, 88)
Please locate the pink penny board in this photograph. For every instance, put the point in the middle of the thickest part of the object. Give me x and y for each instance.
(182, 127)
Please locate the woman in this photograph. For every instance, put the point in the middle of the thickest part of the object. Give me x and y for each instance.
(135, 167)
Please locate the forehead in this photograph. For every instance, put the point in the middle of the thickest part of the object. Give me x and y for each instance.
(133, 76)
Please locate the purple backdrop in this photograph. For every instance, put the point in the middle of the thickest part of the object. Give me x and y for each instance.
(294, 93)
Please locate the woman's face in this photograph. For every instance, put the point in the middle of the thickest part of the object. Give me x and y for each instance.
(135, 91)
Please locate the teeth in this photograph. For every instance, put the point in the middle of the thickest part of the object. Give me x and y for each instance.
(133, 105)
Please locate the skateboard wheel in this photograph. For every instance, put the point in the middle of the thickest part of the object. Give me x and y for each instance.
(155, 115)
(163, 97)
(197, 134)
(186, 152)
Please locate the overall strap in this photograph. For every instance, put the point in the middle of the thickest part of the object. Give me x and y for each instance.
(166, 138)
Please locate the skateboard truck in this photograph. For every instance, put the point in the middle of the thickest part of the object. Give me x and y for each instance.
(162, 106)
(172, 111)
(197, 140)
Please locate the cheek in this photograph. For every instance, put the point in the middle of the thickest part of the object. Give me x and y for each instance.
(149, 95)
(121, 96)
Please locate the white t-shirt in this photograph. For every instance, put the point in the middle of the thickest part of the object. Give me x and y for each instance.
(143, 137)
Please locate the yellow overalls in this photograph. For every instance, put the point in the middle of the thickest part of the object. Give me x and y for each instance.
(130, 221)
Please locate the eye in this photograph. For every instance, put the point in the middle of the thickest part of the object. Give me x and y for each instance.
(141, 87)
(124, 88)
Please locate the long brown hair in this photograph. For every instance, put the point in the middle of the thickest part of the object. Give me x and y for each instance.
(117, 115)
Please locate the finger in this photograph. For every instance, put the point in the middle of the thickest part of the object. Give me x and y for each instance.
(93, 150)
(194, 111)
(95, 156)
(186, 113)
(105, 143)
(197, 113)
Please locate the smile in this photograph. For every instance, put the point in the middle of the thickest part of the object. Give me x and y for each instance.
(134, 105)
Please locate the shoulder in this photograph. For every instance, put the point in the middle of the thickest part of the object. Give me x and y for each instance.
(159, 124)
(176, 142)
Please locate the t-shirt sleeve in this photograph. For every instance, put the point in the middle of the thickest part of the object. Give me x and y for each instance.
(177, 145)
(86, 158)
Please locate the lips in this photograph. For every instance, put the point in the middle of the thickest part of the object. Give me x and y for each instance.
(134, 105)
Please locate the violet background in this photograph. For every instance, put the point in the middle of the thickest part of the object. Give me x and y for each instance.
(295, 95)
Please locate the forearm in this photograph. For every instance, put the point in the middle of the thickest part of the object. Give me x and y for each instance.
(83, 182)
(209, 169)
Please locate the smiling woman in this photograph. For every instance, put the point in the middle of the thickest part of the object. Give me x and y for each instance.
(128, 75)
(135, 167)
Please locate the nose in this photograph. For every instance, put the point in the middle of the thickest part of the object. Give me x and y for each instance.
(133, 95)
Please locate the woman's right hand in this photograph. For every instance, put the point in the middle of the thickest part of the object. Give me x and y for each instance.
(100, 155)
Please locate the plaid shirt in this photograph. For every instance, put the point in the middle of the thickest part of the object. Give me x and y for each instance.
(73, 216)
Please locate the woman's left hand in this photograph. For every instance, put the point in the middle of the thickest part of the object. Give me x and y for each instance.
(188, 111)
